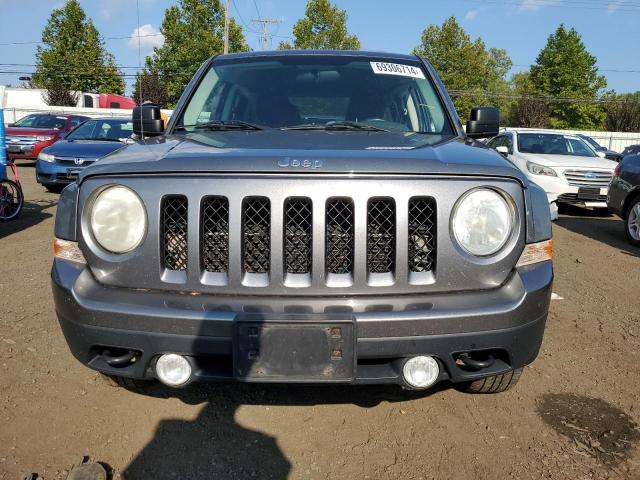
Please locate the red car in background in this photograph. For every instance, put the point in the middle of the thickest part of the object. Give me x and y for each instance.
(32, 133)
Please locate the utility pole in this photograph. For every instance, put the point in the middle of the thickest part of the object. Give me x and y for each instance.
(264, 38)
(226, 27)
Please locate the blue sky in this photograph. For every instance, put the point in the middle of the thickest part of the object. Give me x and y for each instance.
(609, 27)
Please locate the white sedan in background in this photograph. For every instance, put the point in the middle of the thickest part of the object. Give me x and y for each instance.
(565, 166)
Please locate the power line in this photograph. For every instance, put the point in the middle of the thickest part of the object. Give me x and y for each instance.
(264, 37)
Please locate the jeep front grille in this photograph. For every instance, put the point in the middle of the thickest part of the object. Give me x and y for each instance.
(297, 235)
(256, 235)
(174, 232)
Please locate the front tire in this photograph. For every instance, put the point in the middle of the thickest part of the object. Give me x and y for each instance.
(494, 384)
(131, 384)
(632, 222)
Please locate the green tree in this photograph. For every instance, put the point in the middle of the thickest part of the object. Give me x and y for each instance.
(193, 31)
(467, 68)
(148, 87)
(324, 27)
(528, 110)
(623, 112)
(74, 56)
(566, 70)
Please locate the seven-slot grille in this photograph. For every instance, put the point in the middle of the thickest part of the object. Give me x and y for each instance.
(588, 178)
(296, 243)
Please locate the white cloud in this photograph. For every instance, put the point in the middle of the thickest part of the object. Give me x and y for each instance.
(613, 6)
(149, 38)
(532, 5)
(471, 15)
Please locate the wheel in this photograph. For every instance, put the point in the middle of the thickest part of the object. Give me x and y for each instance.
(131, 384)
(632, 222)
(11, 200)
(494, 384)
(53, 188)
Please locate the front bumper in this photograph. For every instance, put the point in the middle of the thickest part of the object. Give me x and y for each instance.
(54, 173)
(507, 321)
(27, 152)
(559, 191)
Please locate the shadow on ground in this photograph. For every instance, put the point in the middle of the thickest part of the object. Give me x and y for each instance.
(596, 428)
(32, 214)
(597, 225)
(215, 446)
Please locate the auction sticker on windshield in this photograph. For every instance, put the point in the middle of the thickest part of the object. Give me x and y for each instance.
(383, 68)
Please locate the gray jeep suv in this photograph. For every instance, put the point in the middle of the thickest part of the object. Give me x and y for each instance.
(311, 217)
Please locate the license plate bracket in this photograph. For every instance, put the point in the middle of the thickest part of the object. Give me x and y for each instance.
(72, 173)
(294, 351)
(14, 148)
(588, 193)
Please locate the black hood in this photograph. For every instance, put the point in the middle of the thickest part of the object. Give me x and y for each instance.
(306, 152)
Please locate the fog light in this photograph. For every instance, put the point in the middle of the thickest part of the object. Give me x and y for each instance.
(173, 369)
(421, 372)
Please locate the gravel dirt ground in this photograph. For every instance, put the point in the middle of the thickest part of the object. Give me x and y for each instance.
(574, 414)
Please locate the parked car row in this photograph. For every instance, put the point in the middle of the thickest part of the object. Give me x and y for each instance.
(60, 164)
(572, 171)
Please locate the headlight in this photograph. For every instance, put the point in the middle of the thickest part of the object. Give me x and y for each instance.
(44, 138)
(45, 157)
(118, 219)
(541, 170)
(482, 222)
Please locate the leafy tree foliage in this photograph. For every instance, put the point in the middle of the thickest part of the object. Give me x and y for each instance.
(528, 110)
(148, 87)
(193, 31)
(623, 112)
(324, 27)
(564, 68)
(73, 56)
(60, 96)
(467, 68)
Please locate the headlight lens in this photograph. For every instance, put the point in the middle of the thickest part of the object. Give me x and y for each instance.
(46, 157)
(44, 138)
(118, 219)
(482, 222)
(541, 170)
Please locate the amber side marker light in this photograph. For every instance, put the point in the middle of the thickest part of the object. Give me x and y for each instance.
(535, 253)
(67, 250)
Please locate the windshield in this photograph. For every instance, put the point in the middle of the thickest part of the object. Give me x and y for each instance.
(42, 121)
(111, 129)
(316, 90)
(591, 142)
(553, 144)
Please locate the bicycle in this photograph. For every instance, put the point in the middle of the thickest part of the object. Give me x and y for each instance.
(11, 196)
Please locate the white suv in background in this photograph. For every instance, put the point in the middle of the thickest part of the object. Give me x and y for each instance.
(565, 166)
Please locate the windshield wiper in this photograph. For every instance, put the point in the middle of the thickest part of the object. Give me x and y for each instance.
(222, 125)
(343, 125)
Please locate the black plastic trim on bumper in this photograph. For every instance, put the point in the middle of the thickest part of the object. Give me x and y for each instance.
(513, 318)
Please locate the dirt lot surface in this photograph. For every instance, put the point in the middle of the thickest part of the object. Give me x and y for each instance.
(574, 414)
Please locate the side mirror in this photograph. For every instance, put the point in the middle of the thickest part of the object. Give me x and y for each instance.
(147, 120)
(502, 150)
(483, 122)
(601, 154)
